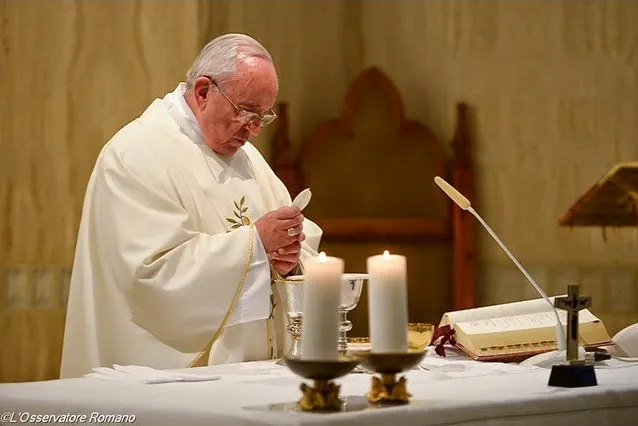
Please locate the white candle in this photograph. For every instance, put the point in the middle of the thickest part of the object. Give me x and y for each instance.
(388, 303)
(321, 298)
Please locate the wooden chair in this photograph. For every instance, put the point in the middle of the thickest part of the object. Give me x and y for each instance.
(371, 173)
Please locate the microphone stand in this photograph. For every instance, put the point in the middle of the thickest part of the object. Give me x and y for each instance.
(560, 333)
(574, 373)
(545, 359)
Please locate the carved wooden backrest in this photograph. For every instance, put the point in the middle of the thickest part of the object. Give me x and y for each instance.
(371, 174)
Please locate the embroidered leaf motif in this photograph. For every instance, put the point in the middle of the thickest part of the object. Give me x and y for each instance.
(239, 211)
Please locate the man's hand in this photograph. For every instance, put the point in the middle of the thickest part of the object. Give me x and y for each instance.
(286, 258)
(273, 230)
(282, 266)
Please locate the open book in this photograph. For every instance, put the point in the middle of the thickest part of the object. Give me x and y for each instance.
(515, 331)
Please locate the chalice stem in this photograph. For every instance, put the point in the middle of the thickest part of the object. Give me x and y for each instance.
(294, 328)
(344, 327)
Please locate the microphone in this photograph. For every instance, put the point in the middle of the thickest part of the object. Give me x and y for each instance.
(464, 203)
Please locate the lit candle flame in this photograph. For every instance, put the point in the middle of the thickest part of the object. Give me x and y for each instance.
(386, 254)
(322, 257)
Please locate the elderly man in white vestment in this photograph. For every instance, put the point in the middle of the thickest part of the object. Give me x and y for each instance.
(184, 225)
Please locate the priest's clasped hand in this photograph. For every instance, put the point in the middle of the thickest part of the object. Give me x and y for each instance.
(285, 259)
(281, 233)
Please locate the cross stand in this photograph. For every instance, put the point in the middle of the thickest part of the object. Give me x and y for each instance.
(574, 373)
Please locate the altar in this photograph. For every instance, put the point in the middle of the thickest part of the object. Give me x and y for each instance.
(452, 391)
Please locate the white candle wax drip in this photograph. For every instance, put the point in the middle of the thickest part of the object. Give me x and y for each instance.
(388, 303)
(321, 298)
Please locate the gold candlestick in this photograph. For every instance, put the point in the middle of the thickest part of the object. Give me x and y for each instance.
(387, 390)
(324, 394)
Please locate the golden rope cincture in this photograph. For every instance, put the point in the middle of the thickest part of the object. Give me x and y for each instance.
(197, 361)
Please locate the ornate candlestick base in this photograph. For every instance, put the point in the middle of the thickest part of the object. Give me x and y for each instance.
(387, 390)
(324, 394)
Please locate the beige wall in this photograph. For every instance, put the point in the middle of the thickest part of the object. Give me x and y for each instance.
(554, 83)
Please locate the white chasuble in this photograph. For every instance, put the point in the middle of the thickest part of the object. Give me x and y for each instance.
(168, 260)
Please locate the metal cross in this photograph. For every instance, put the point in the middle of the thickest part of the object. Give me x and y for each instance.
(572, 304)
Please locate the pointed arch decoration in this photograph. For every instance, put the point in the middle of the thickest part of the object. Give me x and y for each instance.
(371, 171)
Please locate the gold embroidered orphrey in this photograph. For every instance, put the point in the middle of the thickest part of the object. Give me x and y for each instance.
(201, 359)
(241, 220)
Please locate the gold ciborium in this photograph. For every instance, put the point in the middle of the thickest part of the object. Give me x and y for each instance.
(419, 335)
(324, 394)
(387, 390)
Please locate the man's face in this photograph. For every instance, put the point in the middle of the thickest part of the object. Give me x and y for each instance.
(253, 89)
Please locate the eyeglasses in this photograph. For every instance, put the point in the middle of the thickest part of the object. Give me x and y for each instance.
(244, 115)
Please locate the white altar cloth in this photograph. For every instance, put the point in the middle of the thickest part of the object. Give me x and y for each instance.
(454, 395)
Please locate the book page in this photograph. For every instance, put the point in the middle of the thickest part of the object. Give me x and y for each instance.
(498, 311)
(520, 322)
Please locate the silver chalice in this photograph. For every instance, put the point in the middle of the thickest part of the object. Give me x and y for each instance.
(291, 292)
(351, 286)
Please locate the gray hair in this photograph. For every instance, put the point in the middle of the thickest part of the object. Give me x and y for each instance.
(219, 58)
